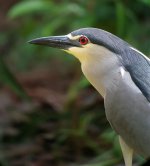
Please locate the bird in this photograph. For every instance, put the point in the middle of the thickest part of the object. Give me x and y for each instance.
(121, 74)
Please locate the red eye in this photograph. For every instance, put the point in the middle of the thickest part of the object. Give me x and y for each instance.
(83, 40)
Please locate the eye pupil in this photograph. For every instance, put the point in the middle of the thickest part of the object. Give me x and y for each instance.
(83, 40)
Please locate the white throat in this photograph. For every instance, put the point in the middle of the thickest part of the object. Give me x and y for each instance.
(102, 70)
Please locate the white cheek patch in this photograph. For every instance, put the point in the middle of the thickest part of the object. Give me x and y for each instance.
(73, 37)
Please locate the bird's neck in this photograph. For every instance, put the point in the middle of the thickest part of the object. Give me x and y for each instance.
(102, 73)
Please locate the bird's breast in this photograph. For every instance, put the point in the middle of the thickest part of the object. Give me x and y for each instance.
(102, 73)
(128, 111)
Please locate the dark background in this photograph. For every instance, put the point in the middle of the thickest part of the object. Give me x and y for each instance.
(49, 113)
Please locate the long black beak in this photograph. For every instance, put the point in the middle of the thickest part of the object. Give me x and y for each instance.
(62, 42)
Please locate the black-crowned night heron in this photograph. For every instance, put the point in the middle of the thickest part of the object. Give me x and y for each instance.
(121, 74)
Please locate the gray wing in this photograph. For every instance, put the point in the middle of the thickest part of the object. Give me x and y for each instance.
(128, 111)
(139, 68)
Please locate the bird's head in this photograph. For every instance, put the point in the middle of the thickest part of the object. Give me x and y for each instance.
(84, 44)
(96, 49)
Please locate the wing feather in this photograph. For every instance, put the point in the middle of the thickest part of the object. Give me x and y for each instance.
(139, 68)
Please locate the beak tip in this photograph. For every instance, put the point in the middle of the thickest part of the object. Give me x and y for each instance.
(39, 41)
(31, 42)
(61, 42)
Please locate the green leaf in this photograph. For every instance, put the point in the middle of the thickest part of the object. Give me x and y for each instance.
(121, 18)
(27, 7)
(147, 2)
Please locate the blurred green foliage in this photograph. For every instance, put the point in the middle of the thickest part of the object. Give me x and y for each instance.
(127, 19)
(30, 19)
